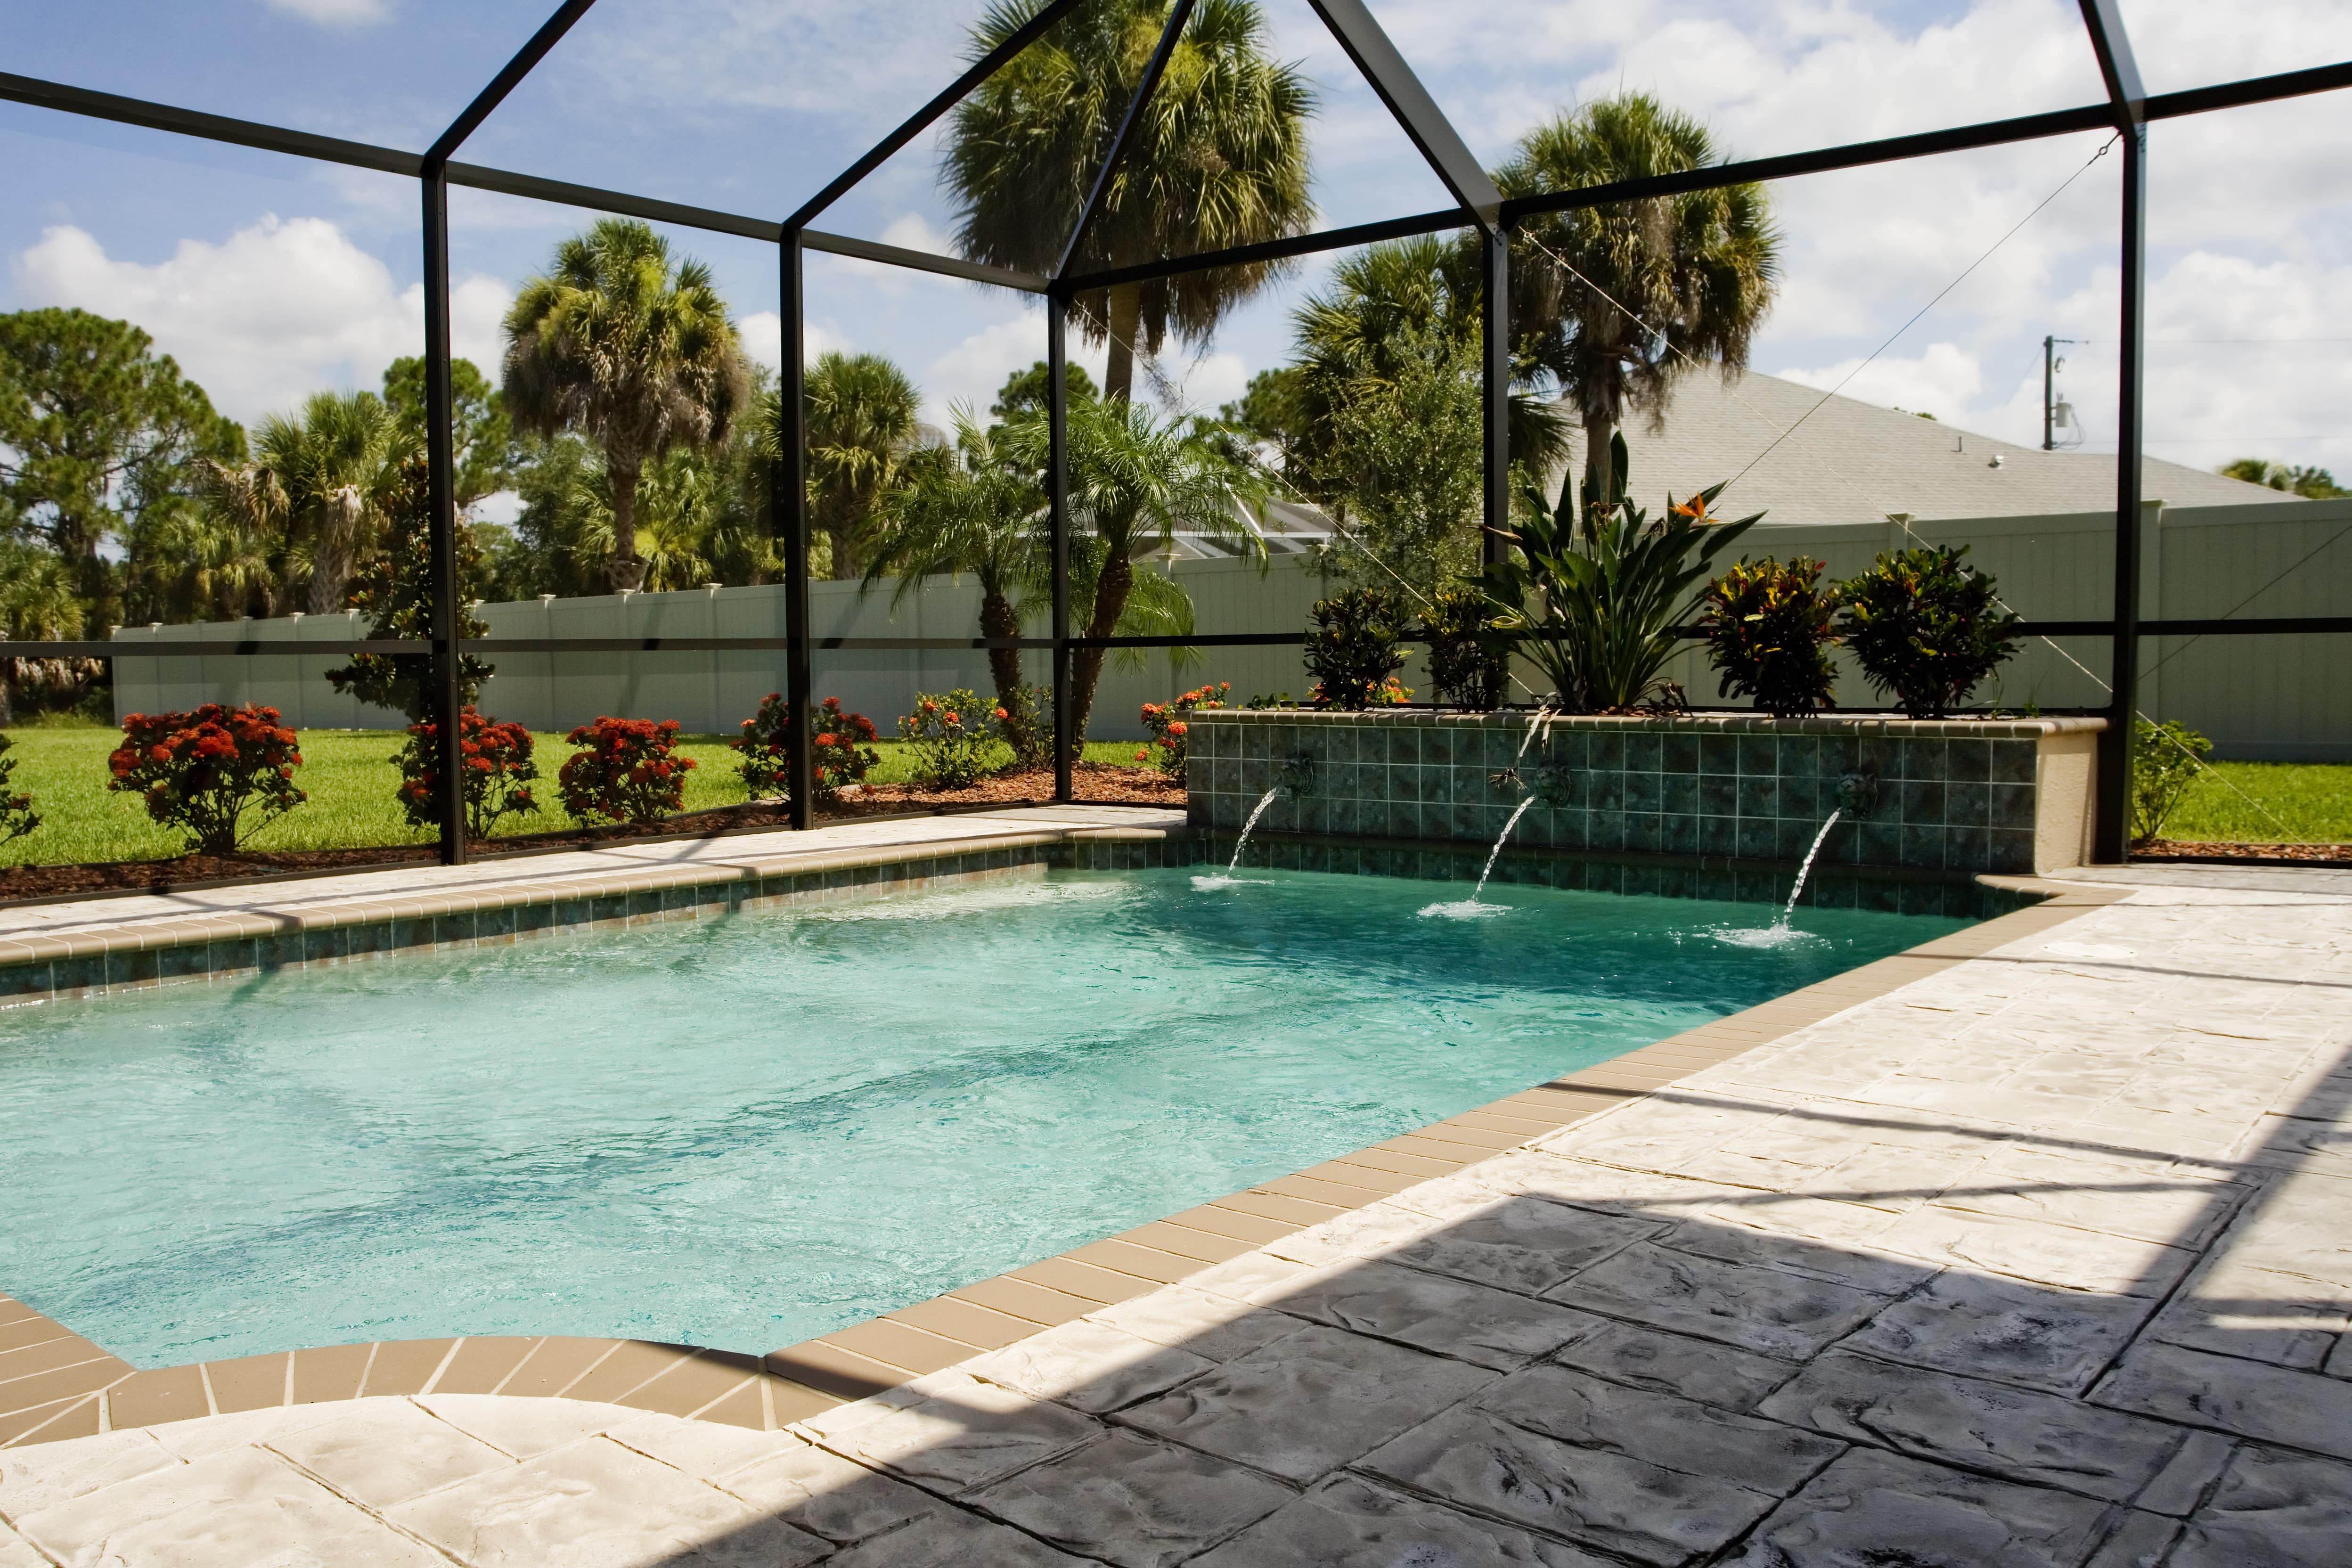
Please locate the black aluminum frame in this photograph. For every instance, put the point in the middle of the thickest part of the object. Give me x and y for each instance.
(1479, 205)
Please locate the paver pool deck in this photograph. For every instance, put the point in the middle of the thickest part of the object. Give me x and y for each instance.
(2035, 1249)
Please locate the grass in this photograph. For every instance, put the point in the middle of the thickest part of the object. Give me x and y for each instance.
(2308, 801)
(348, 776)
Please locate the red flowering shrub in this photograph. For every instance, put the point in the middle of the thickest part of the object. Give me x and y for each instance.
(841, 747)
(625, 770)
(1166, 722)
(955, 735)
(219, 774)
(17, 818)
(496, 756)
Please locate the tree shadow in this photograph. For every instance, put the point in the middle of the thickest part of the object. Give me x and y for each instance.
(1552, 1361)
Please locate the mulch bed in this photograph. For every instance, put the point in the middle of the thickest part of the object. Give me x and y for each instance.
(2185, 849)
(1096, 782)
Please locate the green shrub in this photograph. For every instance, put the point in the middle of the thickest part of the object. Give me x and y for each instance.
(1469, 660)
(2166, 760)
(1353, 652)
(840, 748)
(17, 818)
(495, 756)
(1925, 626)
(1768, 632)
(953, 735)
(205, 771)
(627, 770)
(1606, 594)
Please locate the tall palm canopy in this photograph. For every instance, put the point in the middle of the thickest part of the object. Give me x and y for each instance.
(1617, 301)
(1387, 303)
(1219, 160)
(861, 425)
(318, 481)
(631, 350)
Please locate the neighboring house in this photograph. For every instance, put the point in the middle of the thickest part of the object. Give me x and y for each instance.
(1844, 461)
(1848, 461)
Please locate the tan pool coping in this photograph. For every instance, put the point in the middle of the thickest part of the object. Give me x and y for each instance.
(41, 932)
(55, 1384)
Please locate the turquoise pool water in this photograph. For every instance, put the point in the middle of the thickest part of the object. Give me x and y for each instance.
(745, 1132)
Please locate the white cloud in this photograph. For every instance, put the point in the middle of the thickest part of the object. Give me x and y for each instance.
(1207, 381)
(1945, 378)
(763, 339)
(335, 12)
(912, 231)
(267, 317)
(974, 371)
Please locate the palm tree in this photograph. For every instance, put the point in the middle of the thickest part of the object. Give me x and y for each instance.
(1618, 301)
(37, 604)
(1394, 309)
(1220, 159)
(630, 350)
(861, 425)
(969, 508)
(1135, 482)
(318, 482)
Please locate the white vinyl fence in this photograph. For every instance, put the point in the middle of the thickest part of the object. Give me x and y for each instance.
(2257, 697)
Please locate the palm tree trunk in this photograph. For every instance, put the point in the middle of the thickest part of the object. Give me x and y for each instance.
(626, 571)
(997, 619)
(1086, 663)
(1599, 466)
(331, 566)
(1126, 321)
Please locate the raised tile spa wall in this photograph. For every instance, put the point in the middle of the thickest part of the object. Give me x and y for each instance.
(1953, 797)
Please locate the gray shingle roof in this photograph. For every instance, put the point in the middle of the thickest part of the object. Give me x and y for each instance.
(1856, 462)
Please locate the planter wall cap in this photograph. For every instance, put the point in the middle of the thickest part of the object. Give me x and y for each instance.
(1728, 723)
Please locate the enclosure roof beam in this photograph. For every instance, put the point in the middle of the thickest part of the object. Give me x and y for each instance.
(987, 66)
(926, 261)
(2118, 67)
(1415, 112)
(94, 105)
(551, 33)
(1278, 249)
(1713, 176)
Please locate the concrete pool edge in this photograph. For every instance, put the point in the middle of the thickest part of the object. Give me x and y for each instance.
(55, 1385)
(233, 943)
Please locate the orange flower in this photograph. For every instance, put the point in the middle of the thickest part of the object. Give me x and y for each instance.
(1694, 508)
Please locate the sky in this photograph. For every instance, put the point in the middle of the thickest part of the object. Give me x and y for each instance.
(268, 277)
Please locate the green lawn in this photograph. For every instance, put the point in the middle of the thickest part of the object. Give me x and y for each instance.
(348, 776)
(2311, 801)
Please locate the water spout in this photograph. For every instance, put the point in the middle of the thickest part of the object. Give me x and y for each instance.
(1471, 909)
(1537, 723)
(1806, 870)
(1226, 878)
(1242, 843)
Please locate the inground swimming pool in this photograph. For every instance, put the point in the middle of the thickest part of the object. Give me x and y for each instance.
(744, 1133)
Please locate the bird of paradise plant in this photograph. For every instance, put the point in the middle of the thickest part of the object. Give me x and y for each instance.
(1599, 600)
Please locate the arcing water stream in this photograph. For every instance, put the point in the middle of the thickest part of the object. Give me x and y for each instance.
(1471, 909)
(1226, 878)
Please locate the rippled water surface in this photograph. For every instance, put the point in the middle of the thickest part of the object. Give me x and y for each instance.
(745, 1132)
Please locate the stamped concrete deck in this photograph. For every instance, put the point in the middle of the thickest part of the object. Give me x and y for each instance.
(2043, 1258)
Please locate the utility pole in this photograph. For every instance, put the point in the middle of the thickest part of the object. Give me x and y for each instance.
(2049, 385)
(2050, 366)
